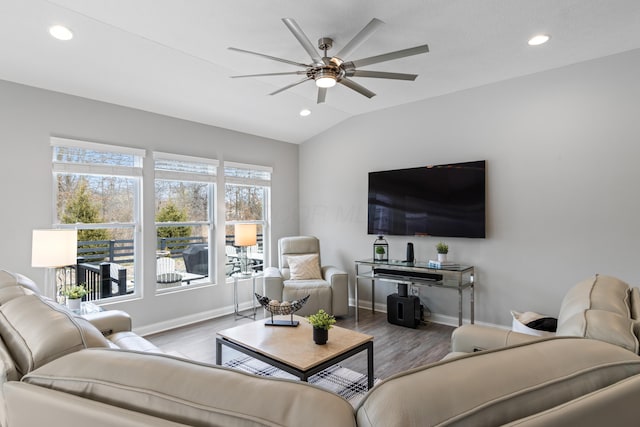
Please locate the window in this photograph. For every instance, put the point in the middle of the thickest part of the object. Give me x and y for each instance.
(184, 212)
(247, 201)
(97, 192)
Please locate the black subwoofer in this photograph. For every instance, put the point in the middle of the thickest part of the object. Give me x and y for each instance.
(403, 310)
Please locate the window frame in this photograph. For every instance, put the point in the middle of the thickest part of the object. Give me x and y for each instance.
(265, 183)
(133, 172)
(185, 176)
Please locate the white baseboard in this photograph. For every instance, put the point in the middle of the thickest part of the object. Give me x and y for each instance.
(187, 320)
(212, 314)
(441, 319)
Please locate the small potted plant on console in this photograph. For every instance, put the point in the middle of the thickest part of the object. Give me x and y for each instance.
(442, 249)
(321, 322)
(74, 296)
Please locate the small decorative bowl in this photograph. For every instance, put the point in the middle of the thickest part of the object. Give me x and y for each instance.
(284, 308)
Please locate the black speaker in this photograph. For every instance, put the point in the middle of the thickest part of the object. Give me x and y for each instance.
(403, 311)
(410, 256)
(402, 289)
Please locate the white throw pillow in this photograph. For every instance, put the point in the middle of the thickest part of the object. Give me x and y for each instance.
(304, 267)
(520, 321)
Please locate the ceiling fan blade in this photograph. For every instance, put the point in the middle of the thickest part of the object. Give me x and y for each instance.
(303, 39)
(286, 61)
(358, 88)
(388, 56)
(322, 94)
(381, 75)
(290, 86)
(270, 74)
(359, 38)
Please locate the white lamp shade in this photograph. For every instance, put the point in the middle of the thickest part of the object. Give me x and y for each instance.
(54, 248)
(245, 234)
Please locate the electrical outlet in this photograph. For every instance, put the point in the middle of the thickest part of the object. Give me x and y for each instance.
(415, 290)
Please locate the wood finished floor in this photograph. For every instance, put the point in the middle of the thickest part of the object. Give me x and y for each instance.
(396, 348)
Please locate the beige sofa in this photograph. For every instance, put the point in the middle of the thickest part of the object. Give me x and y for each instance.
(60, 369)
(601, 307)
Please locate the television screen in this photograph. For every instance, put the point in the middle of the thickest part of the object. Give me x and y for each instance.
(443, 200)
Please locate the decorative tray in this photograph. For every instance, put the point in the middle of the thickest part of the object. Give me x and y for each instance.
(275, 307)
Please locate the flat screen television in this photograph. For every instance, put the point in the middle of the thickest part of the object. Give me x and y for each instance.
(443, 200)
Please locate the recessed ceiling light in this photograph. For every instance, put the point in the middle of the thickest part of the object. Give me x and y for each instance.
(60, 32)
(539, 39)
(305, 112)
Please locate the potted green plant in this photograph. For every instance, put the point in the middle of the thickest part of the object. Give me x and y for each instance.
(321, 322)
(442, 249)
(74, 296)
(379, 252)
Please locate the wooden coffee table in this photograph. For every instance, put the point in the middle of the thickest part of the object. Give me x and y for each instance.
(292, 348)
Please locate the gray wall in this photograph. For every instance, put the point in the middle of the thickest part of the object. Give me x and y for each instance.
(29, 116)
(562, 150)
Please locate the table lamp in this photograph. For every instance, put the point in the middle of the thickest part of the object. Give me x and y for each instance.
(245, 235)
(54, 249)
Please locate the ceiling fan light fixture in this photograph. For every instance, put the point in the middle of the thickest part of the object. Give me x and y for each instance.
(327, 71)
(326, 78)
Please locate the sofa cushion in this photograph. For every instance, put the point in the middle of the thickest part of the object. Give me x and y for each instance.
(8, 370)
(598, 293)
(8, 293)
(189, 392)
(319, 292)
(304, 267)
(524, 380)
(8, 278)
(37, 331)
(601, 325)
(635, 303)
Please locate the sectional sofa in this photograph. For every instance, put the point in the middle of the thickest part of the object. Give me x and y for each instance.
(61, 369)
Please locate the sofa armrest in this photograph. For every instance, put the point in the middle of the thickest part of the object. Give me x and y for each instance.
(335, 276)
(110, 321)
(339, 281)
(470, 338)
(272, 283)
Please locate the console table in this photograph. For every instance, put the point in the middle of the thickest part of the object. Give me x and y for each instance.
(419, 274)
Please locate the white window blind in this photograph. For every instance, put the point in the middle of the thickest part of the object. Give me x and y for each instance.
(240, 173)
(184, 168)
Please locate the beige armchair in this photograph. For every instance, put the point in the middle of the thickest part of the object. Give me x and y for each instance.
(301, 273)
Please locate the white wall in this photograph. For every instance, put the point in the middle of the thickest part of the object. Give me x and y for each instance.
(29, 116)
(562, 150)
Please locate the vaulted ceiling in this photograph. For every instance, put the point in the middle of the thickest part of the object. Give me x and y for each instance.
(171, 57)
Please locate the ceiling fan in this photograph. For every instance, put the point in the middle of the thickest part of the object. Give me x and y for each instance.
(326, 72)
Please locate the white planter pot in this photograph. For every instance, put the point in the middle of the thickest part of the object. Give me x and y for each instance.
(74, 304)
(442, 257)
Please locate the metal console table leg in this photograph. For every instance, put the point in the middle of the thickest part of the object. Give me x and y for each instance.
(236, 301)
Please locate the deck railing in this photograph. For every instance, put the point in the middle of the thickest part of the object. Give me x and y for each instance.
(101, 281)
(121, 250)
